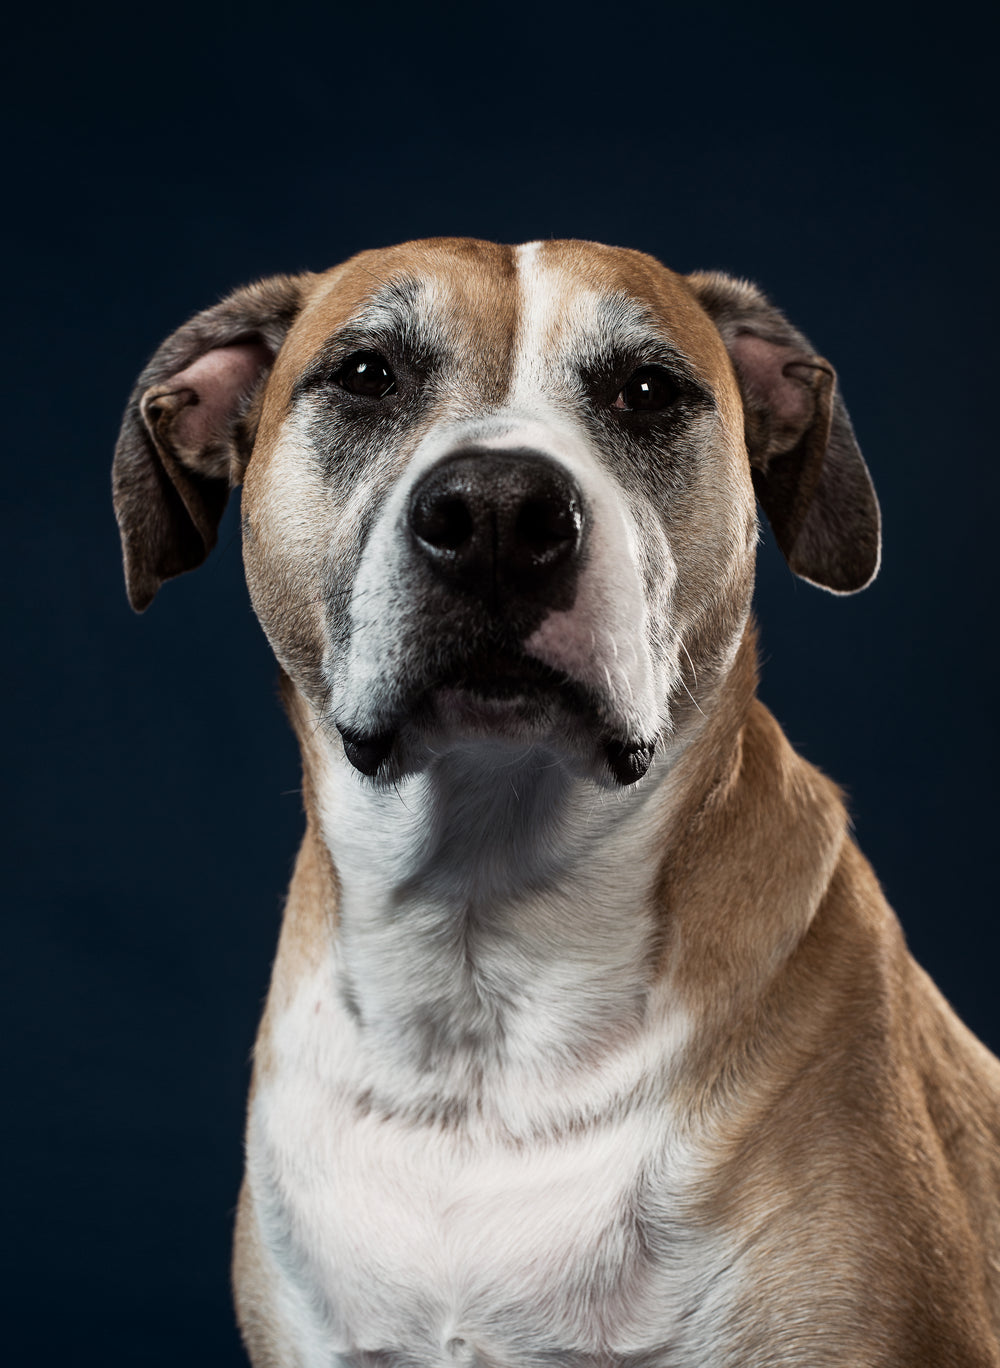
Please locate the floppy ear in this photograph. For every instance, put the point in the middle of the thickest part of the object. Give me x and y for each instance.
(189, 428)
(809, 475)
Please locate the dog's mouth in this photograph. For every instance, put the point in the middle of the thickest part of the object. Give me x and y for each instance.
(503, 677)
(497, 694)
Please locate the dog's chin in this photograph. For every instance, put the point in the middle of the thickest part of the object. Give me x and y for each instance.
(507, 714)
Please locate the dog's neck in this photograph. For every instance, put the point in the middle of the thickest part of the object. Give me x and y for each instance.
(498, 912)
(495, 904)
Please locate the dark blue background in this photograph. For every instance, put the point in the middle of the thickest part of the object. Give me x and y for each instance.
(156, 158)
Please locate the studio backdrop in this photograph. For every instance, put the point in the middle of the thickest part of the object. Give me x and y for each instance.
(159, 158)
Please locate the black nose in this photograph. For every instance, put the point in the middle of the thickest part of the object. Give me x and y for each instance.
(501, 525)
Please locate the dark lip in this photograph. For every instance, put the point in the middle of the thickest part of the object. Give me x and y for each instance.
(497, 676)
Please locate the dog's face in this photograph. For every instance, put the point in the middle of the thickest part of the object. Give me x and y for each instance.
(489, 492)
(497, 496)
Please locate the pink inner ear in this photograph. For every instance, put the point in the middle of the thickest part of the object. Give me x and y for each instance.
(769, 370)
(218, 379)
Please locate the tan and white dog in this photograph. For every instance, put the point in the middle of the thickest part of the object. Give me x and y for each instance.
(591, 1040)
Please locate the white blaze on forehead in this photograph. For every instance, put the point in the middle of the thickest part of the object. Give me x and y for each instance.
(539, 296)
(562, 320)
(557, 317)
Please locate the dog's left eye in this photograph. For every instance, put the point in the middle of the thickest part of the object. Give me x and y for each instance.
(366, 373)
(649, 389)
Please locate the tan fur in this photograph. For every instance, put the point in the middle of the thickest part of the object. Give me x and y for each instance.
(253, 1290)
(864, 1124)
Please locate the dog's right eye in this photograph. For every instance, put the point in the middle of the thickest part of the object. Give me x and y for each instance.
(366, 373)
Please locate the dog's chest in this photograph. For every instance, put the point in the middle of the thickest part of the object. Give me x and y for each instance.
(431, 1244)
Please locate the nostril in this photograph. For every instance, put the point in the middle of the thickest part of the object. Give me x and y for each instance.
(442, 523)
(547, 526)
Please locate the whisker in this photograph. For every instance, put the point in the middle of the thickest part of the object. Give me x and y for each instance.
(694, 675)
(694, 672)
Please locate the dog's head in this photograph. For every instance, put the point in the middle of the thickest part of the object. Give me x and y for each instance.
(496, 496)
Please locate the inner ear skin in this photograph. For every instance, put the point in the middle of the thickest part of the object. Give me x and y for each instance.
(784, 394)
(199, 412)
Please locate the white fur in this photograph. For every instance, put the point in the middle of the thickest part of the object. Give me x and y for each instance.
(408, 1236)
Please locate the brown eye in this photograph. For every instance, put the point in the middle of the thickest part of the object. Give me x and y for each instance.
(368, 374)
(650, 388)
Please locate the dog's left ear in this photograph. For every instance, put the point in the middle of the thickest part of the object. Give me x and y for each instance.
(188, 430)
(809, 475)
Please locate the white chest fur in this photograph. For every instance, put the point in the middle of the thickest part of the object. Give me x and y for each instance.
(457, 1242)
(463, 1151)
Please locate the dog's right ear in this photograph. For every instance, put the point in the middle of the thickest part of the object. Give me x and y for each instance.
(189, 428)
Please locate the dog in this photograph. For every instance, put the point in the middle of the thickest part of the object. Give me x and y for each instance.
(591, 1039)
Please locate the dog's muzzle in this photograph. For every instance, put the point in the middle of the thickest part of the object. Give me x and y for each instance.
(496, 541)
